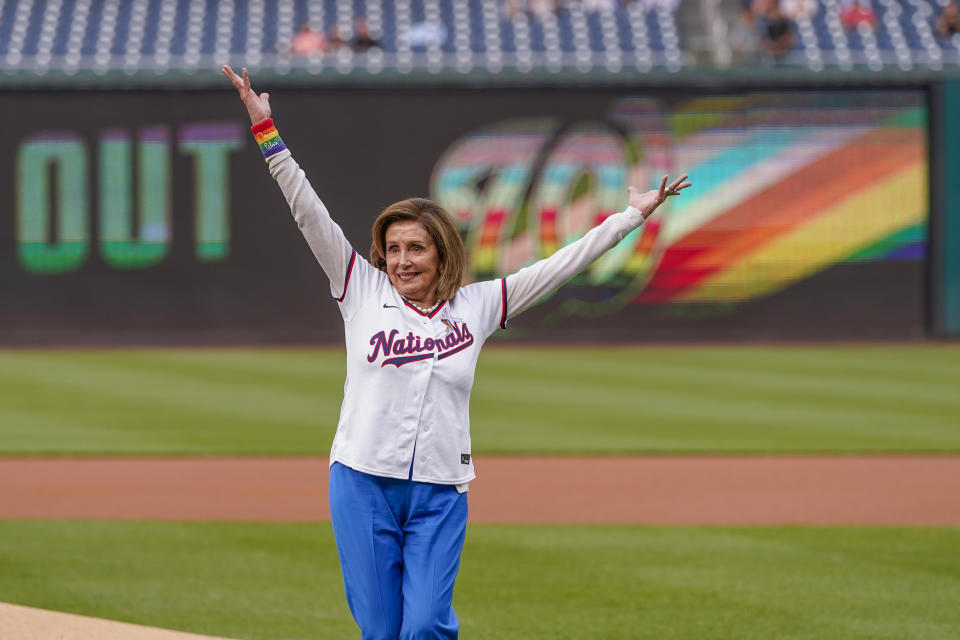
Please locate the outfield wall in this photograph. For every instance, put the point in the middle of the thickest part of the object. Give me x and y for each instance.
(149, 216)
(945, 232)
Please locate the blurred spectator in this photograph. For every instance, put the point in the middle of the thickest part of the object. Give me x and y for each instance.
(362, 40)
(795, 9)
(948, 22)
(335, 39)
(777, 37)
(759, 9)
(541, 9)
(308, 41)
(590, 6)
(855, 13)
(513, 8)
(742, 36)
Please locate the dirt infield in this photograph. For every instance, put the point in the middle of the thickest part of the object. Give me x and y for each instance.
(899, 490)
(638, 490)
(27, 623)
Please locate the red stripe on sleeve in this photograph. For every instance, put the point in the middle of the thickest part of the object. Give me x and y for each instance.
(346, 281)
(503, 293)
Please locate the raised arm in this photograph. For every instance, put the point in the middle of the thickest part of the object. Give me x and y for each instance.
(327, 241)
(530, 284)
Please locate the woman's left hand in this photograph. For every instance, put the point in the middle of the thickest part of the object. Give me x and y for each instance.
(647, 202)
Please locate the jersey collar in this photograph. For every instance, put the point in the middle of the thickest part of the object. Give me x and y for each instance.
(435, 311)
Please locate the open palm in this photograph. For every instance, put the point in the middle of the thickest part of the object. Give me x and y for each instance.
(648, 201)
(258, 106)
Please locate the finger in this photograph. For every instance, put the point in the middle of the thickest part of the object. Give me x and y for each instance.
(246, 79)
(265, 96)
(673, 185)
(234, 78)
(663, 187)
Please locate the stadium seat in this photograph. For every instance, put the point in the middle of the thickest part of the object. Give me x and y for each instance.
(432, 35)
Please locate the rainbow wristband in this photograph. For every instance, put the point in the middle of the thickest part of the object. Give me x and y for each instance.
(268, 138)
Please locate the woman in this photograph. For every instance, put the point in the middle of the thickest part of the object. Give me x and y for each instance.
(400, 463)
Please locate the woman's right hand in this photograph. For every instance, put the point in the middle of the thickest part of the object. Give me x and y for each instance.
(258, 106)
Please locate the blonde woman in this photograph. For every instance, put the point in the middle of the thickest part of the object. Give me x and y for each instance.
(401, 462)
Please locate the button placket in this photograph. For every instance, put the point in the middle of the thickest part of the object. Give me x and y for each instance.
(422, 398)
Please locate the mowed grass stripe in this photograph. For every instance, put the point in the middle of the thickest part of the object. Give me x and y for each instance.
(199, 380)
(736, 398)
(827, 375)
(282, 581)
(173, 402)
(726, 398)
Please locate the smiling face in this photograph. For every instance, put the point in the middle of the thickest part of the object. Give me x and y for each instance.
(413, 261)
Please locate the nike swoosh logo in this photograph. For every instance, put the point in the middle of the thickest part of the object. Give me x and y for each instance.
(390, 306)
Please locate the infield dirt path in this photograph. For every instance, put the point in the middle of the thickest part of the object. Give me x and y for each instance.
(26, 623)
(901, 490)
(657, 490)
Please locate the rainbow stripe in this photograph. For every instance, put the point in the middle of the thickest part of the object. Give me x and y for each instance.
(268, 138)
(862, 200)
(786, 187)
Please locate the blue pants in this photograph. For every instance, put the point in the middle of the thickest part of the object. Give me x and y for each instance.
(399, 543)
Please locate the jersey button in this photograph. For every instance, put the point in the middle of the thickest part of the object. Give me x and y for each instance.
(423, 458)
(426, 428)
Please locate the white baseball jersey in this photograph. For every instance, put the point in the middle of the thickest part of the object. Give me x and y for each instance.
(407, 393)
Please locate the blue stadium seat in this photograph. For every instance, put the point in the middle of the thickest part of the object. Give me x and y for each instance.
(536, 36)
(33, 28)
(169, 34)
(59, 43)
(654, 37)
(509, 38)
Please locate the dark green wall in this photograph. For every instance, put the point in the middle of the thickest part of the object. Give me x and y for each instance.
(948, 311)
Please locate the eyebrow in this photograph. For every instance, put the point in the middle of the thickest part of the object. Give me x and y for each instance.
(391, 243)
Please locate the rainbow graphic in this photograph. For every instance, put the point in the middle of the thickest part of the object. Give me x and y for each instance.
(795, 191)
(785, 186)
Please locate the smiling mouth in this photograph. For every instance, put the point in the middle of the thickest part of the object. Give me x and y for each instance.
(403, 277)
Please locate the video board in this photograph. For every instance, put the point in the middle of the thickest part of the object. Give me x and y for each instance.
(150, 217)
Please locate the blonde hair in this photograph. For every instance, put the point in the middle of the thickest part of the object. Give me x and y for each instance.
(439, 224)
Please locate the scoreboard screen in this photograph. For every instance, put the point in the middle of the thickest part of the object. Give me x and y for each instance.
(150, 217)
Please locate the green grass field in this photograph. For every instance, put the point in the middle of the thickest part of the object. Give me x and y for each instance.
(899, 398)
(282, 581)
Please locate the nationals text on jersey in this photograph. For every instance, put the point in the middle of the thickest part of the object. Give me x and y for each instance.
(457, 339)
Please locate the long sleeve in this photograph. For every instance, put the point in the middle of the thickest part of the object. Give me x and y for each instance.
(324, 236)
(528, 285)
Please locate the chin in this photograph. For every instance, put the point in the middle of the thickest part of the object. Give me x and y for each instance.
(405, 289)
